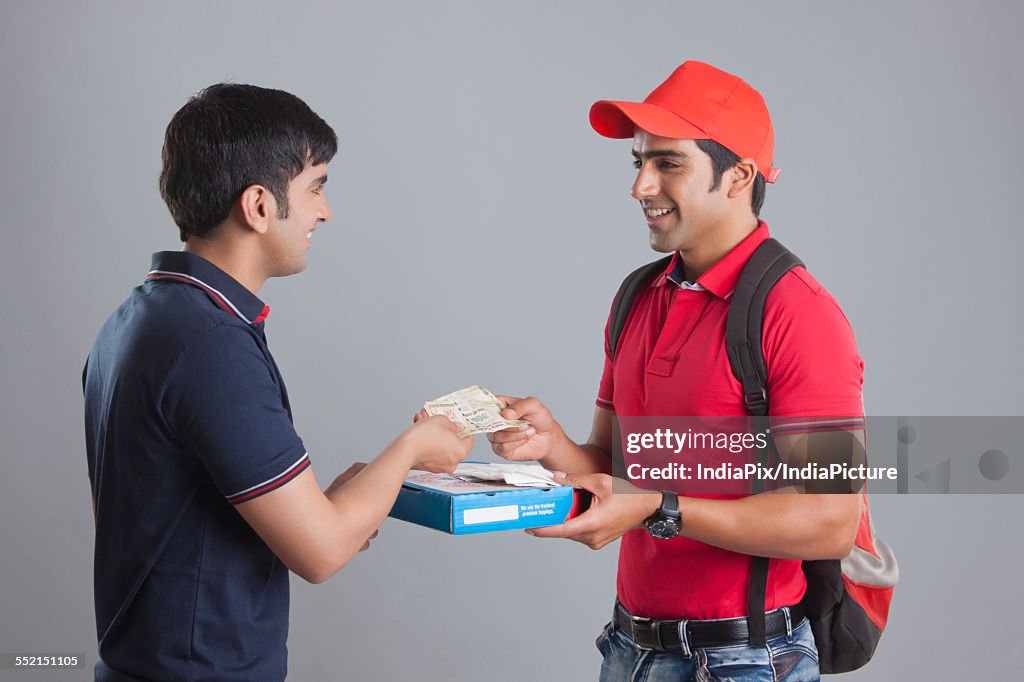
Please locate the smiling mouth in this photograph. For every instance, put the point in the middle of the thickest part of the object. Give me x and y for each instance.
(655, 213)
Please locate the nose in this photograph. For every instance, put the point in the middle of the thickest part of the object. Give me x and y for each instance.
(323, 214)
(645, 185)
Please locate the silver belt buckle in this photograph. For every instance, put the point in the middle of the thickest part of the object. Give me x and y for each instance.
(636, 620)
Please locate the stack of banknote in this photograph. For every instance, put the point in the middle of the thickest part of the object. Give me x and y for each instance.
(474, 410)
(520, 474)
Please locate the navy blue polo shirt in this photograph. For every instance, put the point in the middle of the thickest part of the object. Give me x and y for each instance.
(186, 415)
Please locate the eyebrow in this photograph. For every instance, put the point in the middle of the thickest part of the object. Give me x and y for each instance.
(319, 181)
(659, 153)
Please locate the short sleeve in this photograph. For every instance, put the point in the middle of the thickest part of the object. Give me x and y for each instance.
(606, 389)
(224, 402)
(814, 369)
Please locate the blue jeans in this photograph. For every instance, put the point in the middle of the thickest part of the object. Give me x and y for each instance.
(793, 659)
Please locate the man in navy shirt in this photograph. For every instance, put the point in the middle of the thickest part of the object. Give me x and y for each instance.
(202, 491)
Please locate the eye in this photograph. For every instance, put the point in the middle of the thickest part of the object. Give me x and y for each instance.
(667, 165)
(318, 190)
(636, 164)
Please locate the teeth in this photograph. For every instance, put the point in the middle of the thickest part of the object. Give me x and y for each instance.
(309, 235)
(657, 212)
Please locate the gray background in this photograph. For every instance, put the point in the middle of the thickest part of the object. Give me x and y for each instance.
(480, 229)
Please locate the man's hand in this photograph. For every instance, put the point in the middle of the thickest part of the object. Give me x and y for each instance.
(610, 515)
(436, 444)
(533, 442)
(366, 545)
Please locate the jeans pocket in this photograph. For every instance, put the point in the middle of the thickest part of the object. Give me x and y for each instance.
(737, 662)
(602, 639)
(795, 661)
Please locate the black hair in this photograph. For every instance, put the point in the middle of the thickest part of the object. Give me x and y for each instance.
(722, 159)
(231, 136)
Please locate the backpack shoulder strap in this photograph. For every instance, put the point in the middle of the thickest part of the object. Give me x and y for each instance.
(769, 262)
(623, 302)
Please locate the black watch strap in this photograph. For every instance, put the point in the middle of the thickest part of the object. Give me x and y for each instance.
(669, 505)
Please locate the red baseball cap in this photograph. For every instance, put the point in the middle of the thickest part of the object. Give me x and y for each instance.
(697, 102)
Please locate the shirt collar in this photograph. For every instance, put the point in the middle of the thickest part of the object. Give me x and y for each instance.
(225, 290)
(720, 279)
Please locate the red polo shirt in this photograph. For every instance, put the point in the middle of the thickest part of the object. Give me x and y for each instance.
(671, 361)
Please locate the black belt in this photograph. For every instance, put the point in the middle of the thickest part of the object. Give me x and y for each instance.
(663, 635)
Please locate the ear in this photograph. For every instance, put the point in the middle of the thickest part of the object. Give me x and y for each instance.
(740, 177)
(257, 204)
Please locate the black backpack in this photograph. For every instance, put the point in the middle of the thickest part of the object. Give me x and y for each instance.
(846, 601)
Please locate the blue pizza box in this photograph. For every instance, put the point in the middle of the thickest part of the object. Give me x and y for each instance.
(460, 507)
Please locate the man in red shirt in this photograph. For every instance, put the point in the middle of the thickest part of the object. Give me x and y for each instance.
(703, 145)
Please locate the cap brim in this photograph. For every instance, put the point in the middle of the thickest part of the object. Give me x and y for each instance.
(619, 119)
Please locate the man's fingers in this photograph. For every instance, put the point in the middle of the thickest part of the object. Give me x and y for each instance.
(599, 484)
(521, 408)
(521, 457)
(419, 416)
(447, 423)
(446, 468)
(513, 435)
(569, 529)
(580, 529)
(506, 400)
(508, 450)
(504, 448)
(549, 532)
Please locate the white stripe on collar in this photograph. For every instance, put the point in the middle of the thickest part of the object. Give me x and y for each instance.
(205, 286)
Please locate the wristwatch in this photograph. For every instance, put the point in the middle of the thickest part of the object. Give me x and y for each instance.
(666, 522)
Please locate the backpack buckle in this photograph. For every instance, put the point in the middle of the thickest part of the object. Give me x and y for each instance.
(756, 401)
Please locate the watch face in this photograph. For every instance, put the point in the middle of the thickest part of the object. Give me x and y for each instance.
(663, 528)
